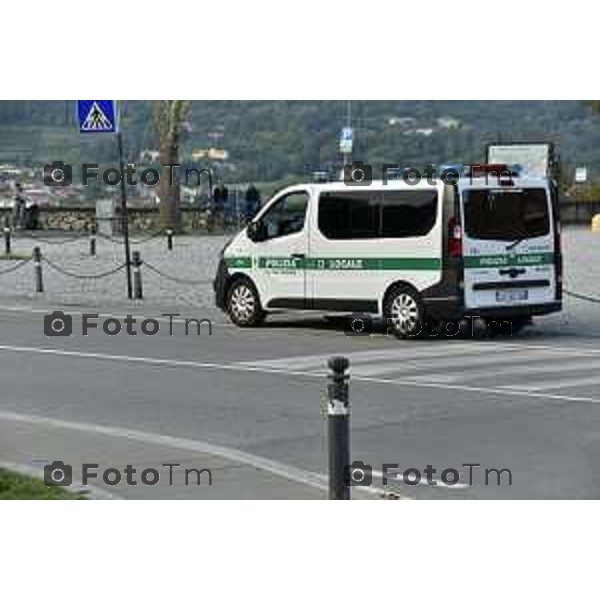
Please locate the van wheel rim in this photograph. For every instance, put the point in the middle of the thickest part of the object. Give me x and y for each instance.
(405, 313)
(242, 302)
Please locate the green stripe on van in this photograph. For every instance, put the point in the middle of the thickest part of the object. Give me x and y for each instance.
(373, 264)
(338, 263)
(508, 260)
(239, 262)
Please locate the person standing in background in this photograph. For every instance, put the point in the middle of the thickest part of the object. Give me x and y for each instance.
(18, 215)
(220, 197)
(252, 202)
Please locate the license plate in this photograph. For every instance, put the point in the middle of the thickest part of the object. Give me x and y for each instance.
(511, 295)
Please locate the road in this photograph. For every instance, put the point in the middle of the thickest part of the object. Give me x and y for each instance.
(247, 404)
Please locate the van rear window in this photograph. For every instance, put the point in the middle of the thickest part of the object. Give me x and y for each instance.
(506, 214)
(363, 214)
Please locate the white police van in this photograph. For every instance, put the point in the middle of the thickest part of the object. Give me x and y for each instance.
(486, 244)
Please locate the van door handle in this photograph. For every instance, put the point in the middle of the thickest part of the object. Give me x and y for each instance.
(512, 272)
(298, 255)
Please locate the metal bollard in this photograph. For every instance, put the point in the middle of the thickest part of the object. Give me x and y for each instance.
(169, 239)
(93, 240)
(7, 236)
(137, 275)
(338, 428)
(37, 269)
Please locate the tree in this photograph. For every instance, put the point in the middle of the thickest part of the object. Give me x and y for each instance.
(594, 105)
(168, 116)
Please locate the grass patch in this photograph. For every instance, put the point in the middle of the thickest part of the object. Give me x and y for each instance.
(14, 486)
(13, 257)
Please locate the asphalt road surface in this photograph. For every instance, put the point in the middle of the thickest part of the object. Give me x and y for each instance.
(247, 405)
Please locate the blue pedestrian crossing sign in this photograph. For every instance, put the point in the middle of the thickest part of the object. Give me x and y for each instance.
(97, 116)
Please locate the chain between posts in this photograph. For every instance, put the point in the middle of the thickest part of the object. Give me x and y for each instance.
(582, 297)
(58, 268)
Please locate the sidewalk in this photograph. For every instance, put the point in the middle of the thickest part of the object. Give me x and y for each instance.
(180, 278)
(31, 445)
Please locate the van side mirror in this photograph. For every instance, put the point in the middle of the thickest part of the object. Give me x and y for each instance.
(256, 231)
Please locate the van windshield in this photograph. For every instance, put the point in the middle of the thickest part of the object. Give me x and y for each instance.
(506, 214)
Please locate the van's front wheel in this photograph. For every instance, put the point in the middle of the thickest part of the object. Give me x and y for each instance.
(243, 304)
(404, 312)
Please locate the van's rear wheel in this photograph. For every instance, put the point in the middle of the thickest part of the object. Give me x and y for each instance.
(504, 327)
(519, 324)
(243, 304)
(404, 312)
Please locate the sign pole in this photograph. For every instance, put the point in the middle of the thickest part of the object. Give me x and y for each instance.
(349, 128)
(125, 216)
(347, 137)
(101, 116)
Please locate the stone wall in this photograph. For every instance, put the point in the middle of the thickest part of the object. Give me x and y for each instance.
(81, 218)
(77, 218)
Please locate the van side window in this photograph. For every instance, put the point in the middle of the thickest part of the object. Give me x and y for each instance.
(286, 216)
(408, 213)
(349, 215)
(366, 214)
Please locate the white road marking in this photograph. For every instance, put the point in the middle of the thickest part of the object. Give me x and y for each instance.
(258, 462)
(433, 365)
(295, 474)
(482, 390)
(564, 350)
(557, 384)
(437, 377)
(398, 354)
(237, 367)
(523, 370)
(119, 315)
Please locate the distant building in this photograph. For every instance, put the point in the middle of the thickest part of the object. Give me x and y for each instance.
(402, 121)
(149, 156)
(218, 154)
(449, 123)
(199, 154)
(210, 153)
(37, 196)
(10, 171)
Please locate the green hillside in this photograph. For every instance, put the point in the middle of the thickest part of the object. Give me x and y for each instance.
(270, 140)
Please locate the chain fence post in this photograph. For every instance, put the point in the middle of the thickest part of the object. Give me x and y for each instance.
(7, 236)
(37, 269)
(169, 239)
(93, 231)
(124, 214)
(137, 275)
(338, 428)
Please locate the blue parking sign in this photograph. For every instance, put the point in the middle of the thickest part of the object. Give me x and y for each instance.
(346, 140)
(97, 116)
